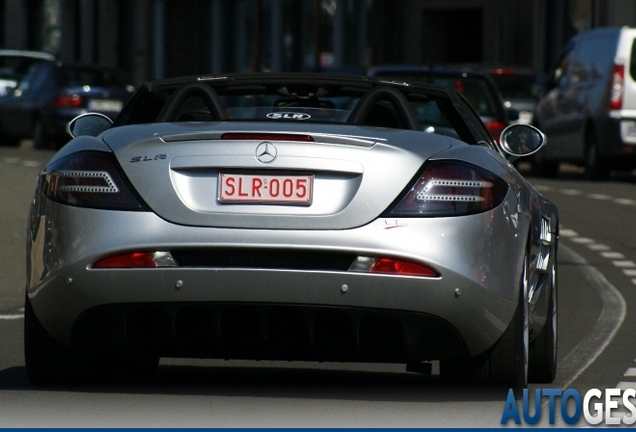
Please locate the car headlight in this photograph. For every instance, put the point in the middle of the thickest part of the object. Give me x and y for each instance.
(451, 188)
(90, 179)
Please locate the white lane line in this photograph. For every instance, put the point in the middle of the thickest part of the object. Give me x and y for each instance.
(629, 272)
(626, 385)
(582, 240)
(598, 247)
(11, 316)
(601, 197)
(631, 372)
(612, 315)
(624, 201)
(613, 255)
(14, 160)
(624, 264)
(543, 187)
(568, 233)
(31, 164)
(571, 192)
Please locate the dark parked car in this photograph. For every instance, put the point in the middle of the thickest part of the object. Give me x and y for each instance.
(52, 94)
(477, 87)
(519, 88)
(588, 110)
(14, 65)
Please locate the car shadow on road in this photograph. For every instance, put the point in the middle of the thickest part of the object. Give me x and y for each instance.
(273, 381)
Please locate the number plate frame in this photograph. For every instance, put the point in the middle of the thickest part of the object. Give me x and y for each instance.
(235, 188)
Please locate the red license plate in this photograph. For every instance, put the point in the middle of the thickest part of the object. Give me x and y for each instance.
(265, 189)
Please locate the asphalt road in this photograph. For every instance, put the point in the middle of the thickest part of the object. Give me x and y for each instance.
(597, 294)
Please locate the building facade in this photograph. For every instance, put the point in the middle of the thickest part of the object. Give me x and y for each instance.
(163, 38)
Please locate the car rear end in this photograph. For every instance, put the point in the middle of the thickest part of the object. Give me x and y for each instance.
(622, 94)
(81, 89)
(194, 258)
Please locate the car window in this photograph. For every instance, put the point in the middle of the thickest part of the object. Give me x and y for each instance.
(560, 73)
(16, 67)
(474, 89)
(34, 80)
(594, 58)
(516, 86)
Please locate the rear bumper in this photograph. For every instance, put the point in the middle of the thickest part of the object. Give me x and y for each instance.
(617, 136)
(464, 311)
(268, 331)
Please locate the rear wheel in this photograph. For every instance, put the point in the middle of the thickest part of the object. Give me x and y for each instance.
(41, 138)
(506, 364)
(596, 166)
(543, 350)
(542, 167)
(47, 360)
(50, 363)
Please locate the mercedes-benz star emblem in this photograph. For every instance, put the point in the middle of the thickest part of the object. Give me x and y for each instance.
(266, 152)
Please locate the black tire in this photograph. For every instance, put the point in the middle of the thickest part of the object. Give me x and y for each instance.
(543, 350)
(41, 137)
(8, 141)
(542, 167)
(505, 364)
(47, 360)
(596, 167)
(50, 363)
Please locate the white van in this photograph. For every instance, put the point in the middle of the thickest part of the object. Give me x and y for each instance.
(588, 112)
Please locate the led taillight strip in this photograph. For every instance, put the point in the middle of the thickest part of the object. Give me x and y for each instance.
(110, 187)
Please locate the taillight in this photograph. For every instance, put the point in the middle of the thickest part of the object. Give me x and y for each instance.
(266, 136)
(68, 101)
(452, 189)
(495, 128)
(616, 91)
(90, 179)
(136, 259)
(392, 266)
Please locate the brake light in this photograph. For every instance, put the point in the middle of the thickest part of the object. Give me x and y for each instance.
(502, 71)
(68, 101)
(90, 179)
(386, 265)
(616, 91)
(258, 136)
(137, 259)
(452, 189)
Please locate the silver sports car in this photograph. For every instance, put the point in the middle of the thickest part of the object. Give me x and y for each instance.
(291, 217)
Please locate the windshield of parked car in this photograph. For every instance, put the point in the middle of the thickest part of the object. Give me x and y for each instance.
(15, 67)
(474, 89)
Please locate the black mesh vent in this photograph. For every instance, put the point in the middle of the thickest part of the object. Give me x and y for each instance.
(264, 259)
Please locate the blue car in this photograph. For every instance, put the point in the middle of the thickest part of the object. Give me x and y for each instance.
(52, 94)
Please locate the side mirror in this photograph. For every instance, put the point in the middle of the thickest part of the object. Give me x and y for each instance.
(91, 124)
(521, 140)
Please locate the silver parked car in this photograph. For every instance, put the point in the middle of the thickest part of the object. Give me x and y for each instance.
(291, 217)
